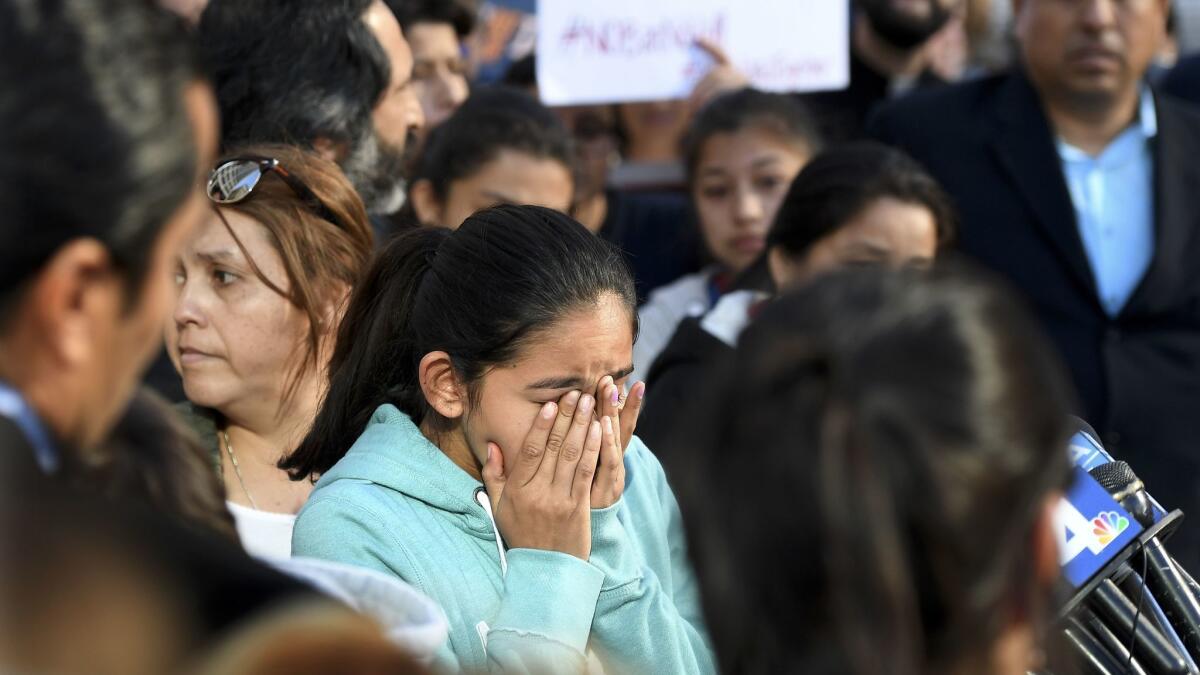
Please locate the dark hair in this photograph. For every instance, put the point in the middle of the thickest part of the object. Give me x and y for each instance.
(865, 498)
(153, 458)
(291, 71)
(461, 14)
(839, 183)
(522, 73)
(729, 113)
(479, 293)
(95, 138)
(319, 257)
(493, 119)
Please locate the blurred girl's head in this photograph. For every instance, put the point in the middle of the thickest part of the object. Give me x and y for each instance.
(741, 153)
(469, 332)
(859, 204)
(500, 147)
(909, 433)
(650, 130)
(262, 284)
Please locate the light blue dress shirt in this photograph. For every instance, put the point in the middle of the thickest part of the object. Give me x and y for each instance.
(14, 407)
(1113, 194)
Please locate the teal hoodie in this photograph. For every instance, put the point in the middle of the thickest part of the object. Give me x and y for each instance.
(395, 503)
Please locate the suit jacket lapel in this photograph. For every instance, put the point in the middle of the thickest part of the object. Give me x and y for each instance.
(1024, 146)
(1175, 191)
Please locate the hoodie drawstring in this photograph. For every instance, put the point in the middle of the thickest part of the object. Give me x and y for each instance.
(482, 499)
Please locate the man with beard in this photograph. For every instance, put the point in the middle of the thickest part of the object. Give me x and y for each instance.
(332, 76)
(1077, 182)
(888, 56)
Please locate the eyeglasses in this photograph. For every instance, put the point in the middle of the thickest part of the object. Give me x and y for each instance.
(233, 180)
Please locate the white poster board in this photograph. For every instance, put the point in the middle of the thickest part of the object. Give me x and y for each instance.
(604, 51)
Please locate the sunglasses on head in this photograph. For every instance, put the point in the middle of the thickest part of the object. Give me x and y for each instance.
(234, 179)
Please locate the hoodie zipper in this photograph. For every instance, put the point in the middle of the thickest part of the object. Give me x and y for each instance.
(482, 499)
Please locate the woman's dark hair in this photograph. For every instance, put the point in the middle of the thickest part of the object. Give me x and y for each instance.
(461, 14)
(841, 182)
(292, 71)
(522, 73)
(836, 186)
(95, 139)
(153, 458)
(493, 119)
(865, 488)
(779, 114)
(479, 293)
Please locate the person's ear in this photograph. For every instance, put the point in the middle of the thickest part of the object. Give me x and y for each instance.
(425, 203)
(441, 386)
(333, 308)
(72, 297)
(1045, 543)
(778, 267)
(787, 271)
(1018, 6)
(329, 149)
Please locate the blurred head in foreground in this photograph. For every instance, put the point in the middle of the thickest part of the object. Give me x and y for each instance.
(875, 494)
(100, 156)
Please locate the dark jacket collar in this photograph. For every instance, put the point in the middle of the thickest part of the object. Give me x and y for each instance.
(1176, 183)
(1023, 144)
(17, 457)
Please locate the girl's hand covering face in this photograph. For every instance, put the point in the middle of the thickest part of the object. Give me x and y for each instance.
(618, 419)
(544, 502)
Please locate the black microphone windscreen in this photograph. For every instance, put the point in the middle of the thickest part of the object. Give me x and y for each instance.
(1114, 476)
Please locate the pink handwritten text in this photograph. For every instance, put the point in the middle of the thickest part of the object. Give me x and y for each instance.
(628, 37)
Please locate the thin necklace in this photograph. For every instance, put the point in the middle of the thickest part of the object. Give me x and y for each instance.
(237, 470)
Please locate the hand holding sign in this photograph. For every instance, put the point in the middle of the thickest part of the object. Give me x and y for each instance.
(722, 76)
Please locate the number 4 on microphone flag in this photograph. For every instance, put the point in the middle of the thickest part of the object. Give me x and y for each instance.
(1091, 528)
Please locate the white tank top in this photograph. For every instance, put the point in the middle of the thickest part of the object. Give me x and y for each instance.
(263, 534)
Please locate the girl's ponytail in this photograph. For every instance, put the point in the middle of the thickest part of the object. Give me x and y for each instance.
(375, 360)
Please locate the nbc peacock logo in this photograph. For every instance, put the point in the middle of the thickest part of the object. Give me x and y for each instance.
(1108, 525)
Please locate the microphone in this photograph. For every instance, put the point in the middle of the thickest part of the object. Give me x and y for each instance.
(1091, 650)
(1097, 536)
(1121, 615)
(1163, 577)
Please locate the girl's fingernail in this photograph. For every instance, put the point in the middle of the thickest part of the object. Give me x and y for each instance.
(548, 411)
(641, 390)
(616, 395)
(585, 403)
(489, 459)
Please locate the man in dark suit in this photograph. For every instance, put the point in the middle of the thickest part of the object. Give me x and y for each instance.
(1183, 80)
(1079, 184)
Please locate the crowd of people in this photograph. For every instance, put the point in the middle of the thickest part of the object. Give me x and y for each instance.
(321, 354)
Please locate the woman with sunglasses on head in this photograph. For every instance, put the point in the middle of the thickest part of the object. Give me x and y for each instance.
(262, 286)
(476, 443)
